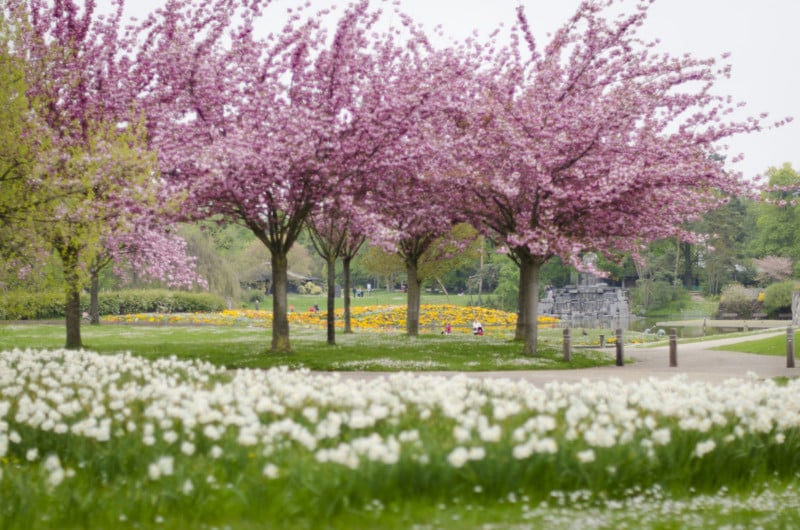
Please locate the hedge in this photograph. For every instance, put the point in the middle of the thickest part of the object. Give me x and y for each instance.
(23, 305)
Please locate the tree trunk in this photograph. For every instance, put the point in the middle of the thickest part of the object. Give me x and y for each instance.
(531, 289)
(519, 333)
(331, 320)
(72, 307)
(414, 287)
(346, 269)
(94, 294)
(688, 277)
(280, 318)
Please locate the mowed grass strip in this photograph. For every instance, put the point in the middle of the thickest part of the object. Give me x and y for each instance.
(775, 345)
(248, 347)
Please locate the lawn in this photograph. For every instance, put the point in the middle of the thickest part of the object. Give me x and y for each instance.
(775, 345)
(240, 346)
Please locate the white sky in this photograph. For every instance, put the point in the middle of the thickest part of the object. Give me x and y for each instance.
(761, 36)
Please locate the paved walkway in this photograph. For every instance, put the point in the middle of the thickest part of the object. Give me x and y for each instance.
(695, 359)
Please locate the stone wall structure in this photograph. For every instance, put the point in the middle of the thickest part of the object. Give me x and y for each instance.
(589, 305)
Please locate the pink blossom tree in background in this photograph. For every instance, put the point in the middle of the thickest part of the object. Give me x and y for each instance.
(147, 249)
(336, 232)
(264, 130)
(595, 142)
(95, 159)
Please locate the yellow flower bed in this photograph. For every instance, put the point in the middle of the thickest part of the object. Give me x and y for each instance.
(375, 318)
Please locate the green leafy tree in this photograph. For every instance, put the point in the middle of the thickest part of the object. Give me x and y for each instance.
(19, 196)
(778, 223)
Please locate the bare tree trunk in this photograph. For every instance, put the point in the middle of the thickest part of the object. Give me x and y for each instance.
(331, 319)
(412, 311)
(519, 333)
(72, 306)
(444, 289)
(531, 289)
(94, 303)
(348, 328)
(280, 324)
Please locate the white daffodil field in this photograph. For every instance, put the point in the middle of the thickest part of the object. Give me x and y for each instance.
(115, 441)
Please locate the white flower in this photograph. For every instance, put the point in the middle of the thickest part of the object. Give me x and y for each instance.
(187, 487)
(662, 436)
(163, 467)
(477, 453)
(56, 473)
(216, 451)
(458, 457)
(586, 456)
(32, 454)
(703, 448)
(271, 471)
(187, 448)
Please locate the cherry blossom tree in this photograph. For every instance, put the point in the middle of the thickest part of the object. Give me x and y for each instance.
(262, 130)
(336, 232)
(75, 67)
(594, 143)
(419, 215)
(147, 248)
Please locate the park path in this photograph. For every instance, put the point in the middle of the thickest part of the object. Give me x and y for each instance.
(696, 361)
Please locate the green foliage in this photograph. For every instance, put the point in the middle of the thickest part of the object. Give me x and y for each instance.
(778, 298)
(310, 288)
(777, 233)
(736, 299)
(18, 199)
(506, 294)
(650, 295)
(24, 305)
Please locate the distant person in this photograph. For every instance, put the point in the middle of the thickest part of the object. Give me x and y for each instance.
(477, 328)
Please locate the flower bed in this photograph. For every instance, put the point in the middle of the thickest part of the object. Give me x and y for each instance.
(373, 318)
(108, 440)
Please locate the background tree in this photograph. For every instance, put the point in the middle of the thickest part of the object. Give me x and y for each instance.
(772, 269)
(725, 248)
(19, 195)
(335, 232)
(778, 216)
(264, 130)
(94, 159)
(379, 263)
(595, 142)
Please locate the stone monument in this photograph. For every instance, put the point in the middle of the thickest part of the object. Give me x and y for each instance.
(590, 304)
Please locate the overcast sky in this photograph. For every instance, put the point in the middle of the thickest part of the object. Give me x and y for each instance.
(761, 35)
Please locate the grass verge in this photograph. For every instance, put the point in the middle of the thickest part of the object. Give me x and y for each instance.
(247, 347)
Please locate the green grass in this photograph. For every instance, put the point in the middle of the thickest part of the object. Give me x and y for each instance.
(247, 347)
(302, 302)
(775, 345)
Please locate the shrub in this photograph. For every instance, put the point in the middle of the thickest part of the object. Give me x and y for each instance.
(310, 288)
(22, 305)
(738, 299)
(778, 298)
